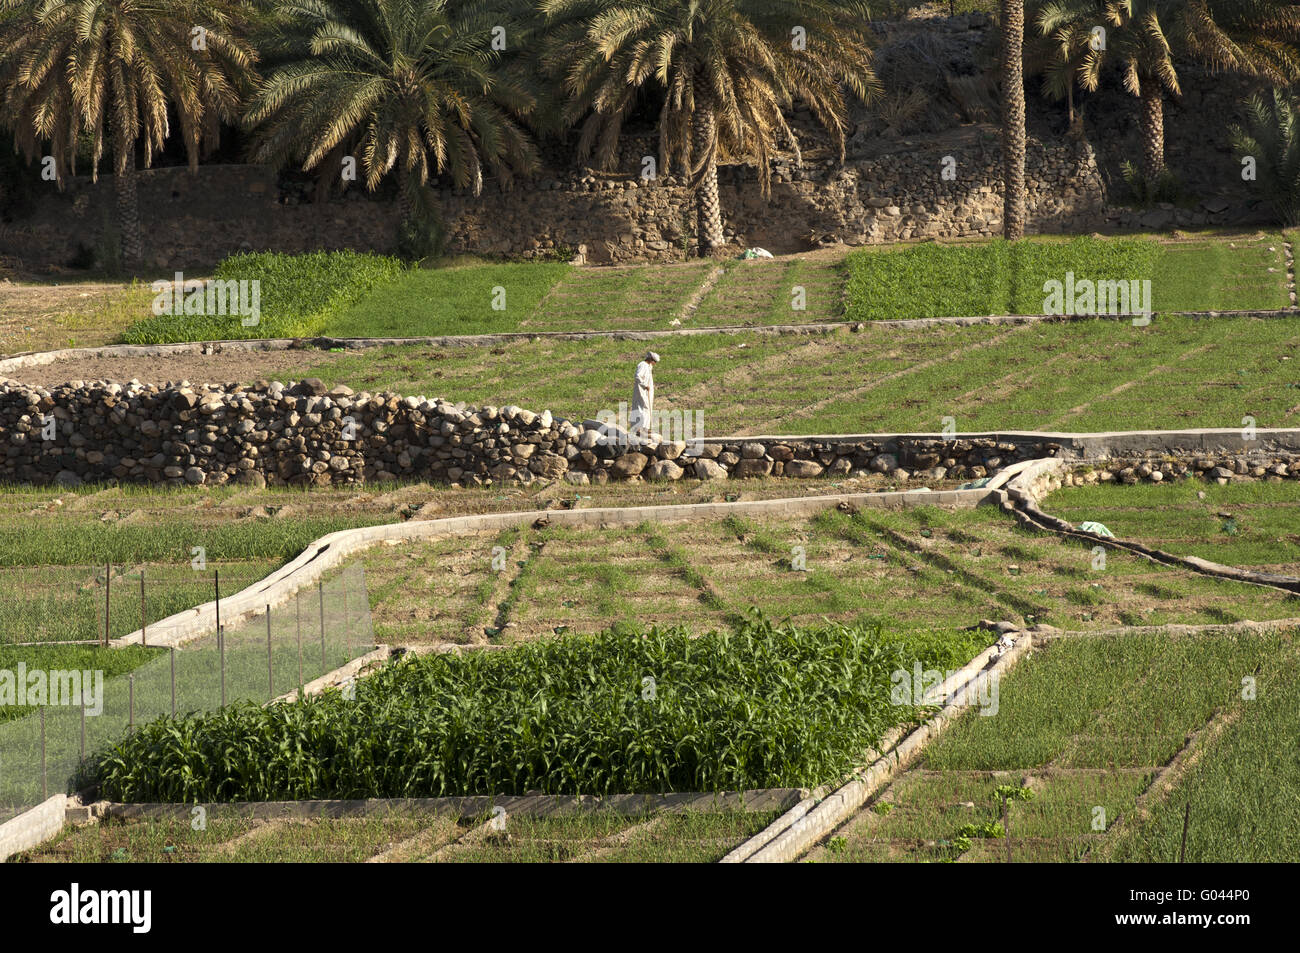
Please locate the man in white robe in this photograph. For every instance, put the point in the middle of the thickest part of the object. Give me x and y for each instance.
(640, 417)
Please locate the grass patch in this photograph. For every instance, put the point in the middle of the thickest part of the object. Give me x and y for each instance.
(1260, 529)
(68, 658)
(300, 296)
(475, 299)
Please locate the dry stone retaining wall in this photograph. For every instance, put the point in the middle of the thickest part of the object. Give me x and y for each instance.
(302, 433)
(196, 219)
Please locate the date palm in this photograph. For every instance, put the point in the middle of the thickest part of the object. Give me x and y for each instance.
(415, 85)
(1271, 134)
(1146, 38)
(725, 69)
(113, 72)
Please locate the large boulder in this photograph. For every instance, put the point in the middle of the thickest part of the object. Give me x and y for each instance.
(709, 470)
(628, 465)
(663, 470)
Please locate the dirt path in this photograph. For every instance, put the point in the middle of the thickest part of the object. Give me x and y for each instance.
(243, 366)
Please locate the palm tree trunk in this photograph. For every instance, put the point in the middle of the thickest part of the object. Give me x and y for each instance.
(128, 211)
(405, 202)
(1153, 130)
(708, 206)
(1013, 119)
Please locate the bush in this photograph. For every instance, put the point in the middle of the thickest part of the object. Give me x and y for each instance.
(767, 706)
(300, 295)
(1145, 191)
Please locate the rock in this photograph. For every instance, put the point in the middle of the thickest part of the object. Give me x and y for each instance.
(670, 449)
(664, 470)
(752, 451)
(752, 468)
(577, 478)
(706, 469)
(194, 476)
(252, 478)
(803, 468)
(628, 465)
(67, 479)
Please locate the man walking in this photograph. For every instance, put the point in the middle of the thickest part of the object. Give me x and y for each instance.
(643, 395)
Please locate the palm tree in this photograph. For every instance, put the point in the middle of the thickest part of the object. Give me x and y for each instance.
(1271, 133)
(414, 84)
(1145, 37)
(111, 70)
(725, 70)
(1013, 119)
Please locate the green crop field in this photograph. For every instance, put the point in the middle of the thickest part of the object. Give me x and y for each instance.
(625, 711)
(1089, 374)
(1092, 727)
(1239, 524)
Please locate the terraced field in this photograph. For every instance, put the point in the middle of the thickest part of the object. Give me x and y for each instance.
(1116, 737)
(1093, 374)
(921, 569)
(1241, 524)
(411, 836)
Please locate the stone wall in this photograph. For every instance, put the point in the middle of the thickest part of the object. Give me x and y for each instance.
(193, 220)
(302, 434)
(1222, 469)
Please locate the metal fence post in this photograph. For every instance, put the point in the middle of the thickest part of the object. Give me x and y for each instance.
(108, 585)
(270, 670)
(347, 629)
(144, 632)
(83, 729)
(45, 790)
(130, 711)
(173, 657)
(323, 664)
(297, 603)
(1006, 824)
(221, 651)
(221, 634)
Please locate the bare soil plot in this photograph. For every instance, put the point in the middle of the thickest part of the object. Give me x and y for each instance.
(46, 315)
(687, 837)
(237, 840)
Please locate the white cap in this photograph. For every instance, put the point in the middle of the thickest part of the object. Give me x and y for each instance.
(652, 356)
